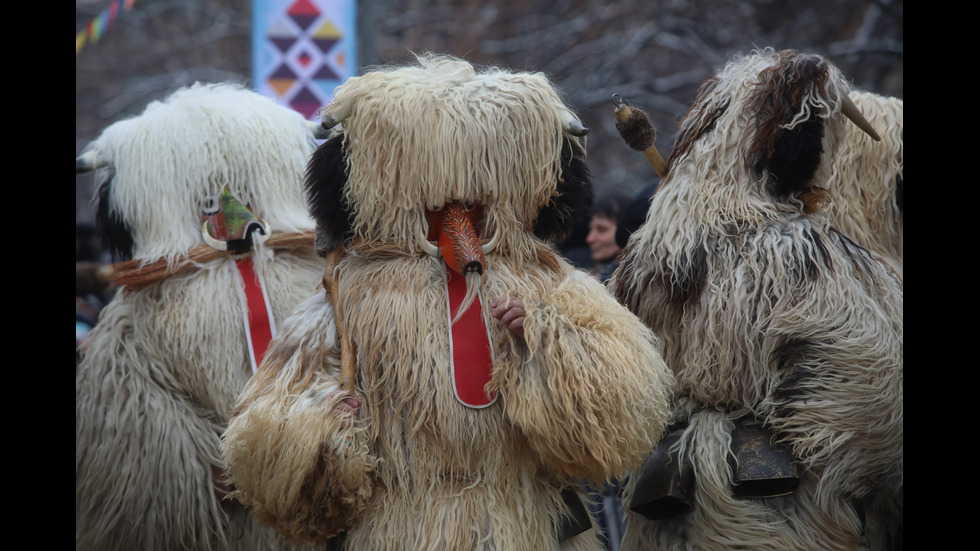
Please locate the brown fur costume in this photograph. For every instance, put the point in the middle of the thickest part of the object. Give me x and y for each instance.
(169, 355)
(769, 314)
(584, 395)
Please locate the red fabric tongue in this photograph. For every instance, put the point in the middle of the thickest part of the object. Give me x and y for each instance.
(259, 323)
(470, 350)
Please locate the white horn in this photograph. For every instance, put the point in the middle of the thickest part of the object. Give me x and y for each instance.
(262, 229)
(426, 245)
(492, 244)
(211, 241)
(88, 161)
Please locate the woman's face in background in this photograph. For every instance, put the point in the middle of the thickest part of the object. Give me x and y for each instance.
(602, 238)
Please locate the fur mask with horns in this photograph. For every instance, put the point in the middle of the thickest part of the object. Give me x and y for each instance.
(417, 149)
(769, 314)
(770, 119)
(184, 157)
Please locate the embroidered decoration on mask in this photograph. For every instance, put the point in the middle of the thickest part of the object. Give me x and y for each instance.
(230, 225)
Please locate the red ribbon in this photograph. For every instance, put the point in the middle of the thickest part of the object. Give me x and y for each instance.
(471, 353)
(259, 324)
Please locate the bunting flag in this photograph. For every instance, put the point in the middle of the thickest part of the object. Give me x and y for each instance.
(99, 24)
(302, 50)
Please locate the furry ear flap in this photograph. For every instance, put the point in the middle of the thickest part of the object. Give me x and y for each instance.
(115, 235)
(790, 154)
(572, 199)
(326, 182)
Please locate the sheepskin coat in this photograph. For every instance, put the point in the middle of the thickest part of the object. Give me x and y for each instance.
(584, 395)
(769, 313)
(169, 355)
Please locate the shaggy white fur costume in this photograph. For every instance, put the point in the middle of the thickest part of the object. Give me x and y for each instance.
(169, 355)
(584, 395)
(768, 313)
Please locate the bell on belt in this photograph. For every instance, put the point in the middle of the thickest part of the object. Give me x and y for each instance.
(663, 489)
(761, 468)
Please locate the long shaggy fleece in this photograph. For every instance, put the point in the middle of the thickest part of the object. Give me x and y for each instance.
(867, 181)
(168, 358)
(584, 396)
(764, 309)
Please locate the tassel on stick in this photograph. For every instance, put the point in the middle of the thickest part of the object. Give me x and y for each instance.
(637, 131)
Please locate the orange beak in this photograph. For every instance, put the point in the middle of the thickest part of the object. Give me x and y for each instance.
(459, 244)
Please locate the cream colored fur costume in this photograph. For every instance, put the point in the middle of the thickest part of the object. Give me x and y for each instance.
(584, 395)
(768, 313)
(867, 180)
(169, 355)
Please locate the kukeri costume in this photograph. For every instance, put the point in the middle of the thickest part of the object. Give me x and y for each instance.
(204, 192)
(784, 333)
(466, 435)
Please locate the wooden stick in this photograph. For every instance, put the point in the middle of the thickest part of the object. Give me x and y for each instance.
(133, 275)
(347, 374)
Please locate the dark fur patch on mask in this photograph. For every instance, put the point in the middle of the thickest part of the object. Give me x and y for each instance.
(115, 235)
(326, 181)
(573, 198)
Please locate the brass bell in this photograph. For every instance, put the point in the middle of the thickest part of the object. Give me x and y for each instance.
(663, 489)
(761, 467)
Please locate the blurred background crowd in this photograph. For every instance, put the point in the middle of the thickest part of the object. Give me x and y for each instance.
(653, 53)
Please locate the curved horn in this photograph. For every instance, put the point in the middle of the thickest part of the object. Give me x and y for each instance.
(572, 125)
(851, 111)
(492, 244)
(211, 241)
(575, 128)
(328, 122)
(319, 131)
(257, 226)
(332, 119)
(425, 244)
(88, 161)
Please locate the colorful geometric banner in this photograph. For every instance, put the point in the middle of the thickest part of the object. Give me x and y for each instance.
(99, 24)
(302, 50)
